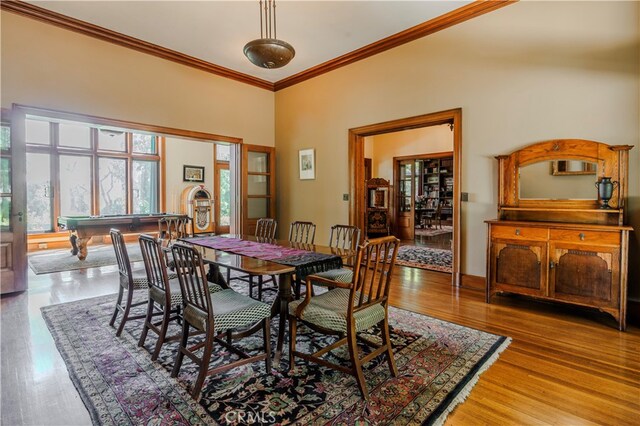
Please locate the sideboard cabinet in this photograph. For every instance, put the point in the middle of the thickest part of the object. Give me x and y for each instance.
(581, 260)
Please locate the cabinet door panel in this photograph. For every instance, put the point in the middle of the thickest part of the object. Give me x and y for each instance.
(519, 267)
(585, 274)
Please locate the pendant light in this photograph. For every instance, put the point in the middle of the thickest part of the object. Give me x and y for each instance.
(268, 51)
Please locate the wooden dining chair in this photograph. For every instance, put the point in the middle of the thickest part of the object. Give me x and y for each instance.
(344, 237)
(165, 296)
(265, 230)
(129, 282)
(170, 229)
(214, 314)
(350, 308)
(300, 232)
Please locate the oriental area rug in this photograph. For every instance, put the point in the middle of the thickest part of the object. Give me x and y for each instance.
(425, 258)
(49, 261)
(438, 364)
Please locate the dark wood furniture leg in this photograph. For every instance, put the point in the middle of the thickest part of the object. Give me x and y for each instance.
(280, 307)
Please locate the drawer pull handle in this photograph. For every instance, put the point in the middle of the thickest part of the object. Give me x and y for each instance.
(581, 235)
(517, 231)
(551, 264)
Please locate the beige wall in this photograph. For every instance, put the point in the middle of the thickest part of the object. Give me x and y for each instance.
(383, 148)
(180, 152)
(531, 71)
(49, 67)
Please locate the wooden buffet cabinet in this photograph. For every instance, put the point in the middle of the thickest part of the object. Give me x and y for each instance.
(561, 249)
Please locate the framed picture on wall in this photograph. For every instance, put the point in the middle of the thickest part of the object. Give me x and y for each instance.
(307, 163)
(192, 173)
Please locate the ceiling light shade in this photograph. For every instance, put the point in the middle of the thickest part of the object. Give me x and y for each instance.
(268, 51)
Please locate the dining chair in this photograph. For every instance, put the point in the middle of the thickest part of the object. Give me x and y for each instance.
(265, 230)
(170, 229)
(350, 308)
(217, 313)
(302, 232)
(165, 296)
(129, 282)
(345, 237)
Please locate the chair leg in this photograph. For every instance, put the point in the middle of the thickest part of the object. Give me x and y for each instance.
(118, 302)
(355, 363)
(266, 331)
(386, 340)
(147, 321)
(293, 325)
(204, 366)
(183, 347)
(125, 315)
(251, 286)
(163, 332)
(259, 287)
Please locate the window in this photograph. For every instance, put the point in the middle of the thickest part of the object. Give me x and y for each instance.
(76, 168)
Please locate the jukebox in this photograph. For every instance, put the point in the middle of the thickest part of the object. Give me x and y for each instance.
(197, 203)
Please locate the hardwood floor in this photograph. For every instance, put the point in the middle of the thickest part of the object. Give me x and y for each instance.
(564, 366)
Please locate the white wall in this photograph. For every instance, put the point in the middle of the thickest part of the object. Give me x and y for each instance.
(180, 152)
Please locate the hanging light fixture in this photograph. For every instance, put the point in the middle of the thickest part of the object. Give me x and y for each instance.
(268, 51)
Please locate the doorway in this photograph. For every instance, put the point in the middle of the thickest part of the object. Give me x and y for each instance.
(356, 169)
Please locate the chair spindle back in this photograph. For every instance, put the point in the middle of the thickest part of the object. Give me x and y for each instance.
(266, 228)
(122, 256)
(154, 262)
(192, 277)
(372, 273)
(302, 232)
(344, 237)
(172, 228)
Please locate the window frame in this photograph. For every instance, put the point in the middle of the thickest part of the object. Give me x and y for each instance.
(55, 150)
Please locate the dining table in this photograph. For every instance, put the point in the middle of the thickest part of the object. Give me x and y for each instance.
(289, 261)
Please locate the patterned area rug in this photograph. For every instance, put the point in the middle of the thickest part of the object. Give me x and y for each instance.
(425, 258)
(430, 232)
(438, 364)
(62, 260)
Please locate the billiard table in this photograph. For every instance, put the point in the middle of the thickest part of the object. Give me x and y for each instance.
(82, 228)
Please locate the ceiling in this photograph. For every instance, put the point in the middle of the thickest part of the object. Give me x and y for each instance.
(216, 31)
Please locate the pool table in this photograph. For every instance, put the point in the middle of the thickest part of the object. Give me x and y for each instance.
(82, 228)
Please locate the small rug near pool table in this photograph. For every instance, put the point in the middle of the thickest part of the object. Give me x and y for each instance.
(438, 363)
(49, 261)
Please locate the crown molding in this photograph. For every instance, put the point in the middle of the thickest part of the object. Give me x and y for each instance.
(447, 20)
(472, 10)
(82, 27)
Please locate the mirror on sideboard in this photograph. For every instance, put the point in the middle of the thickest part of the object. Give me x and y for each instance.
(559, 180)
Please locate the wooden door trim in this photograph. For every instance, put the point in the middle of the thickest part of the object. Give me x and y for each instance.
(356, 169)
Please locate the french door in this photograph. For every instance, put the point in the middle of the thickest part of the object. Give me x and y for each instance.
(258, 185)
(13, 202)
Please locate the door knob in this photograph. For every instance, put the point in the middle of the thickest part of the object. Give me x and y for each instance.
(19, 214)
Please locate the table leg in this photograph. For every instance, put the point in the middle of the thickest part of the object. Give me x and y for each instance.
(74, 246)
(82, 247)
(281, 307)
(215, 276)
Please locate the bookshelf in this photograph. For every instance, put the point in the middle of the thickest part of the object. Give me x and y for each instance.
(437, 185)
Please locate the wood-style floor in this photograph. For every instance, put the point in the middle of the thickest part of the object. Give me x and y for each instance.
(565, 366)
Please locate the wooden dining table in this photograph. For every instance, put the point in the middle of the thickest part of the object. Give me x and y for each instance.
(217, 258)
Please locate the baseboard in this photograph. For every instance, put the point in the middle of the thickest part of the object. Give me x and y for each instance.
(474, 282)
